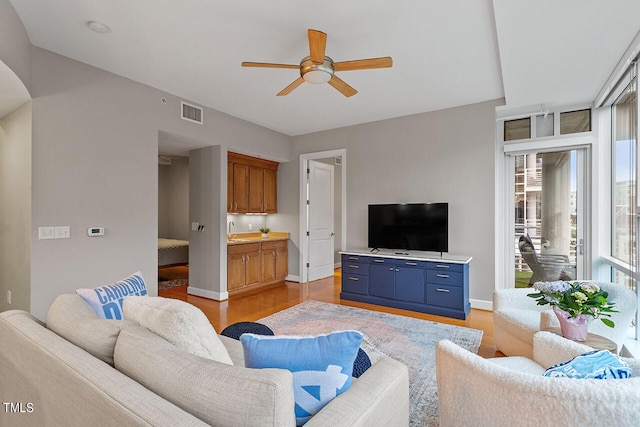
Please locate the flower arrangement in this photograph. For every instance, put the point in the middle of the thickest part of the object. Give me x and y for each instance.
(577, 298)
(265, 230)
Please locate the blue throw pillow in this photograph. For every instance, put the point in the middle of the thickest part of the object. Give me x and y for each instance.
(321, 365)
(598, 364)
(106, 300)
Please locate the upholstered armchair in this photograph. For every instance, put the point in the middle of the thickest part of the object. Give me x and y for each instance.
(511, 391)
(517, 317)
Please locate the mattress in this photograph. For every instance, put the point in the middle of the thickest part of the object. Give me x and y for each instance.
(172, 251)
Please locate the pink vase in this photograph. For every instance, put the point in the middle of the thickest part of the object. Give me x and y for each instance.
(573, 328)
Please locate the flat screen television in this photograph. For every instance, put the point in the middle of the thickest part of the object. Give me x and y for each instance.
(409, 226)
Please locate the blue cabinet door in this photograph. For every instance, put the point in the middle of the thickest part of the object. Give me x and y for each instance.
(381, 280)
(410, 284)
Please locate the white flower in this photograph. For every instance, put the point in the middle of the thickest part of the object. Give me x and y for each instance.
(558, 286)
(580, 297)
(589, 288)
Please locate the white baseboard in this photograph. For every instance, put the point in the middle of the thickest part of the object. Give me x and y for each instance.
(292, 278)
(217, 296)
(481, 304)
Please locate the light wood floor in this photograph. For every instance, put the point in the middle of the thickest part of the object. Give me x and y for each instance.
(254, 306)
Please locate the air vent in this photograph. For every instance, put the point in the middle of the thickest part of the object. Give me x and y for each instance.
(164, 160)
(191, 113)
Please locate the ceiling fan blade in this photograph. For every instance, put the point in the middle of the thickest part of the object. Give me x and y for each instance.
(342, 87)
(363, 64)
(317, 45)
(287, 90)
(269, 65)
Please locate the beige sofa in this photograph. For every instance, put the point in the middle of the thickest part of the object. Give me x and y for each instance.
(48, 379)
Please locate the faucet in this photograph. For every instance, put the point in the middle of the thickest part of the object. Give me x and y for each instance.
(231, 224)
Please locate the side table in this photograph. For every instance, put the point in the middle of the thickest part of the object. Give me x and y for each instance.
(593, 340)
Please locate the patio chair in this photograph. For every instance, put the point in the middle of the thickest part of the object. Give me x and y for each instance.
(547, 267)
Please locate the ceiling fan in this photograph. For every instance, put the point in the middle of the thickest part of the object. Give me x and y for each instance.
(318, 68)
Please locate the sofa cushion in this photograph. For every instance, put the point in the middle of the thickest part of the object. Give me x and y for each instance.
(106, 300)
(597, 364)
(217, 393)
(180, 323)
(321, 365)
(71, 318)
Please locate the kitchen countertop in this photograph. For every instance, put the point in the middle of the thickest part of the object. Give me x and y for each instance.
(255, 237)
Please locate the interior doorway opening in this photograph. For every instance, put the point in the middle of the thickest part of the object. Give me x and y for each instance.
(309, 252)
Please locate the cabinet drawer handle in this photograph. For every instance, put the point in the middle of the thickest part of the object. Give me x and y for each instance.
(353, 258)
(410, 263)
(441, 266)
(442, 290)
(378, 260)
(354, 278)
(390, 268)
(354, 266)
(444, 276)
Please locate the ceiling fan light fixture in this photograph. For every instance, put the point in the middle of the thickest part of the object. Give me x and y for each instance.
(316, 77)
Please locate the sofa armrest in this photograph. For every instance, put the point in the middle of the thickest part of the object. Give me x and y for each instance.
(515, 298)
(379, 397)
(550, 349)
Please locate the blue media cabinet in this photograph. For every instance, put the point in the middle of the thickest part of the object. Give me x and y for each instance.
(410, 281)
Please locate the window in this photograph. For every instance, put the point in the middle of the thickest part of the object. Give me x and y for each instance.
(624, 171)
(517, 129)
(575, 121)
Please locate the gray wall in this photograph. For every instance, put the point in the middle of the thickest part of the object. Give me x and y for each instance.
(95, 148)
(15, 48)
(15, 208)
(208, 248)
(173, 199)
(442, 156)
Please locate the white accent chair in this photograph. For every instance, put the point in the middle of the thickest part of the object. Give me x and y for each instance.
(511, 391)
(516, 317)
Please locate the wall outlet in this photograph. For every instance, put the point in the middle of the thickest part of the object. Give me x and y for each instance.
(194, 226)
(9, 297)
(250, 227)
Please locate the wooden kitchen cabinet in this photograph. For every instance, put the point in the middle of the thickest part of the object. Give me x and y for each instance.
(244, 266)
(252, 185)
(251, 266)
(238, 195)
(275, 260)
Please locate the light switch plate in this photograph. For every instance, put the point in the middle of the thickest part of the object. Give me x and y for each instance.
(62, 232)
(45, 233)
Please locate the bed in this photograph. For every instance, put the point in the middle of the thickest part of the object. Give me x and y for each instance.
(172, 251)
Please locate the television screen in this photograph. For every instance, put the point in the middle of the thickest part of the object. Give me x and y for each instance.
(410, 226)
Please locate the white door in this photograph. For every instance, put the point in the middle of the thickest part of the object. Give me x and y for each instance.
(320, 219)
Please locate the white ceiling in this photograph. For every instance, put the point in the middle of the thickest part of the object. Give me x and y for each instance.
(539, 54)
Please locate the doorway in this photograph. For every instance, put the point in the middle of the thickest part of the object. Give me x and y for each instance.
(548, 204)
(320, 240)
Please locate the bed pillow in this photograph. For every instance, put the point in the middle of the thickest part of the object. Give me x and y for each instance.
(106, 300)
(321, 365)
(180, 323)
(597, 364)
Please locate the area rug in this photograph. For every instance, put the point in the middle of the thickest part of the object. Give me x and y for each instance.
(168, 284)
(408, 340)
